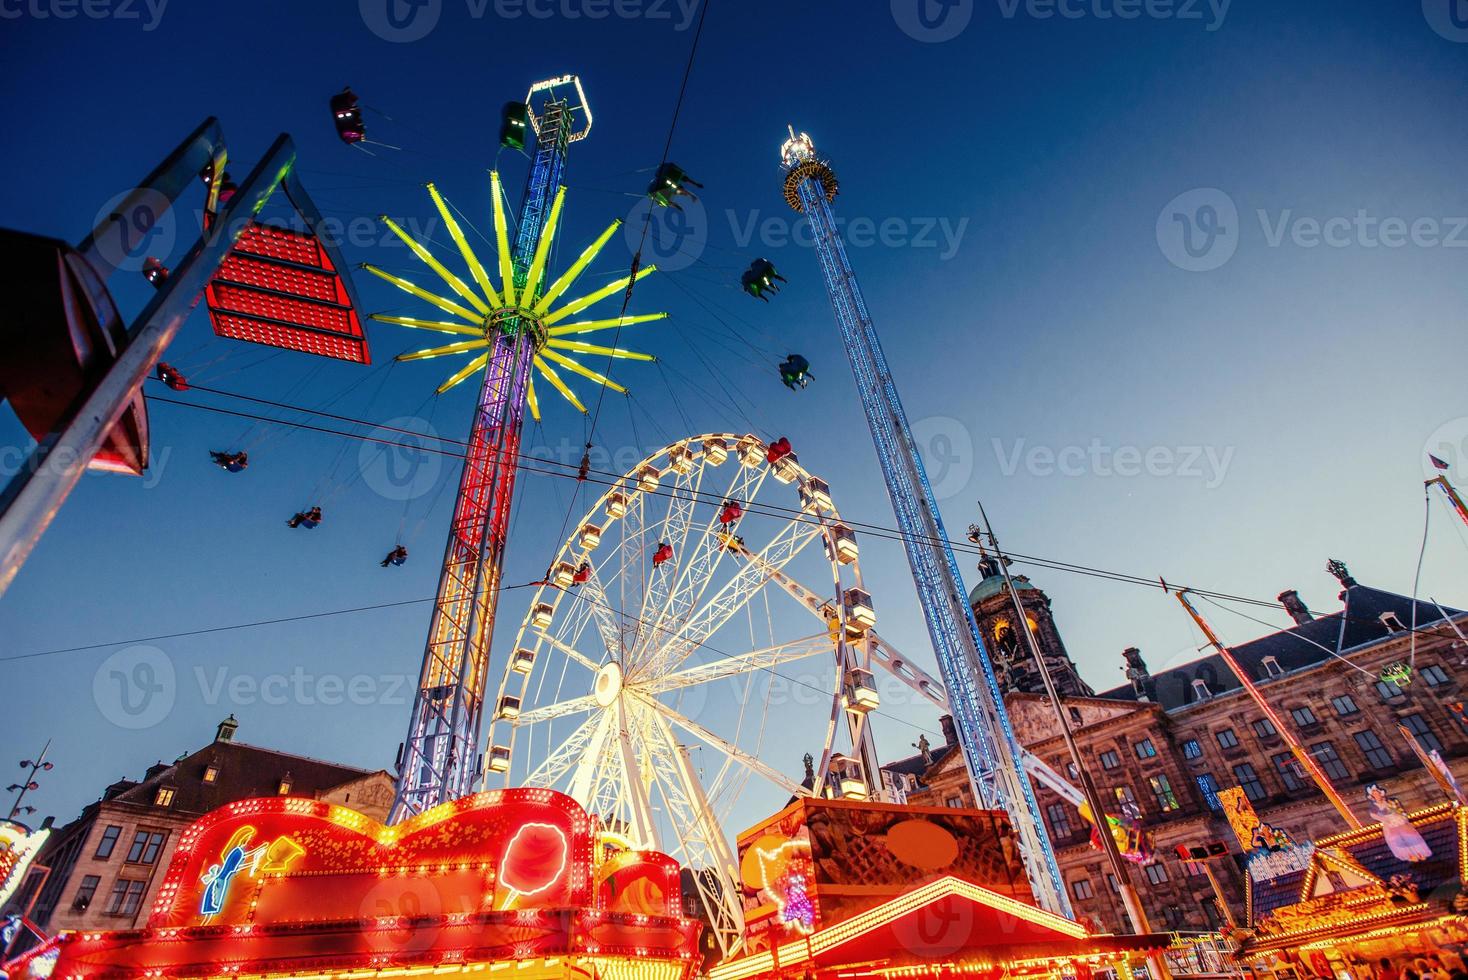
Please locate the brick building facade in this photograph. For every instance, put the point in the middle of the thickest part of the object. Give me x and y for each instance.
(1164, 744)
(106, 866)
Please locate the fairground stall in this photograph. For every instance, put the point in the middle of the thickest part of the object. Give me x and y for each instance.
(1392, 890)
(834, 888)
(518, 882)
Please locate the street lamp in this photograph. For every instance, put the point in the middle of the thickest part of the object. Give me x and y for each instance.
(39, 764)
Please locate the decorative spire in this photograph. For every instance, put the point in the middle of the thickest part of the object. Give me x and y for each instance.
(1338, 568)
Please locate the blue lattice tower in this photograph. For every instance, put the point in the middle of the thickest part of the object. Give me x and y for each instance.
(990, 749)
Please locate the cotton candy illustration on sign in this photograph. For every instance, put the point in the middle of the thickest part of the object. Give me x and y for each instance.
(534, 861)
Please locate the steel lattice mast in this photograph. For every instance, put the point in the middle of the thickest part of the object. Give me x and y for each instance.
(511, 323)
(990, 749)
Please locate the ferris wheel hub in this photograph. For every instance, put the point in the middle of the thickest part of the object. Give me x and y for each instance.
(608, 684)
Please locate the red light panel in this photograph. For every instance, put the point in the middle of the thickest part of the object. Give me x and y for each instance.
(278, 287)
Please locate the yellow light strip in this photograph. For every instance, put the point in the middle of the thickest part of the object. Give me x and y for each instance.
(542, 248)
(585, 372)
(555, 379)
(442, 326)
(454, 282)
(554, 291)
(502, 240)
(470, 259)
(464, 372)
(448, 306)
(577, 306)
(459, 348)
(584, 348)
(587, 326)
(530, 398)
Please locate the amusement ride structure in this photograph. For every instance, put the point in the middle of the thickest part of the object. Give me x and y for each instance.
(514, 325)
(990, 749)
(608, 675)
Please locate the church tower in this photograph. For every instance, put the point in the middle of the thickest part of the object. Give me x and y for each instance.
(994, 610)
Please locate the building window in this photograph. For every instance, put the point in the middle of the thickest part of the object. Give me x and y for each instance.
(145, 848)
(1344, 705)
(1156, 873)
(1059, 815)
(1264, 728)
(1145, 749)
(1376, 754)
(211, 773)
(1081, 889)
(1208, 786)
(84, 893)
(1388, 690)
(108, 841)
(1418, 726)
(1434, 675)
(1200, 689)
(1125, 800)
(1272, 667)
(1226, 738)
(1110, 760)
(1303, 716)
(1249, 781)
(1162, 792)
(285, 788)
(1111, 883)
(1329, 760)
(955, 802)
(1288, 768)
(127, 895)
(164, 797)
(1192, 749)
(1075, 716)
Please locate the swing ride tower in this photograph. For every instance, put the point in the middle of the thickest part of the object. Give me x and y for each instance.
(990, 750)
(513, 337)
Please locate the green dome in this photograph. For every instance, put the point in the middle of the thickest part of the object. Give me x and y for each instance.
(994, 585)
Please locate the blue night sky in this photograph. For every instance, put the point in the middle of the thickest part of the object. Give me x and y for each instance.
(1100, 252)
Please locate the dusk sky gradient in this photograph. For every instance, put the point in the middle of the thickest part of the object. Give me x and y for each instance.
(1314, 377)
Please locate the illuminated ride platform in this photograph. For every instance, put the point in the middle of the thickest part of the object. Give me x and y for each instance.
(516, 882)
(837, 889)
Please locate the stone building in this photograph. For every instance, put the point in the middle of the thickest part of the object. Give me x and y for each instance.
(1162, 744)
(106, 866)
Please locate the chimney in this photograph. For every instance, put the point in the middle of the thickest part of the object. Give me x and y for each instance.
(950, 731)
(1295, 606)
(1138, 674)
(227, 728)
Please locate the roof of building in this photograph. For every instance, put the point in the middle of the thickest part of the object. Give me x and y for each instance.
(243, 771)
(1303, 645)
(993, 585)
(916, 765)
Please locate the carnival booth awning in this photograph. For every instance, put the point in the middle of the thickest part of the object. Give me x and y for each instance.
(1362, 884)
(946, 925)
(516, 879)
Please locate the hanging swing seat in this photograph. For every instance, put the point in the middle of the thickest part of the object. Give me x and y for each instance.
(279, 287)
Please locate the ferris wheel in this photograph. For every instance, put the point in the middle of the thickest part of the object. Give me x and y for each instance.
(645, 674)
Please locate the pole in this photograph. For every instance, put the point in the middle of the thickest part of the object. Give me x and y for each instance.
(1129, 897)
(25, 785)
(1306, 760)
(1452, 494)
(1223, 907)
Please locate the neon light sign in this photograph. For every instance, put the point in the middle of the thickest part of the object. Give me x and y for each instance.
(272, 858)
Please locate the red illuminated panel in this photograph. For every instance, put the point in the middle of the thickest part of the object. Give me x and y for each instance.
(278, 287)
